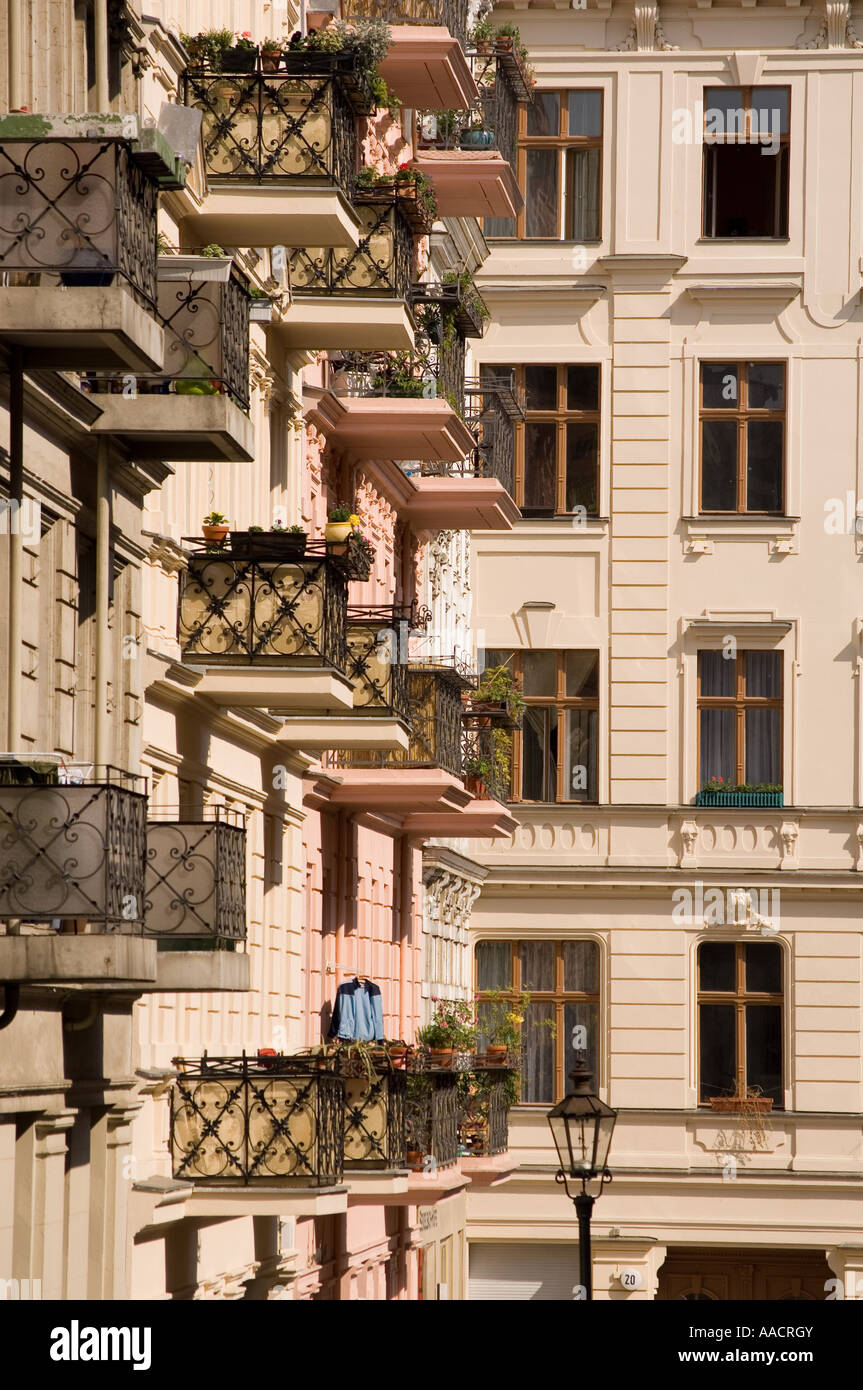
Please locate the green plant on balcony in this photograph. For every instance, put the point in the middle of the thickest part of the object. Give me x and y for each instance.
(197, 388)
(492, 766)
(400, 378)
(209, 47)
(366, 40)
(497, 684)
(213, 249)
(414, 184)
(725, 784)
(481, 36)
(384, 98)
(452, 1028)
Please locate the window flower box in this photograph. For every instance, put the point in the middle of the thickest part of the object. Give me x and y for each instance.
(705, 798)
(741, 1105)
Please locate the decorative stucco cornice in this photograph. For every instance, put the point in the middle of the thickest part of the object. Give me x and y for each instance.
(645, 34)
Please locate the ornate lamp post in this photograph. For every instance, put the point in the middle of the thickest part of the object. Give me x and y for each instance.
(581, 1127)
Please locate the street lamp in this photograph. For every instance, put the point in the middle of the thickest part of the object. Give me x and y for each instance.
(581, 1127)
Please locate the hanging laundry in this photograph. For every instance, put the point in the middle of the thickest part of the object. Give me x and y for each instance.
(358, 1014)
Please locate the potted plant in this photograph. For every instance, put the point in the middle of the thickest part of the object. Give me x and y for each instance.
(477, 775)
(482, 36)
(497, 694)
(722, 791)
(752, 1104)
(341, 520)
(506, 37)
(500, 1020)
(243, 56)
(271, 54)
(477, 136)
(215, 527)
(452, 1029)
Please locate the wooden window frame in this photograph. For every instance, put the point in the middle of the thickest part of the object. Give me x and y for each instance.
(561, 142)
(559, 997)
(561, 416)
(742, 413)
(740, 702)
(744, 139)
(562, 703)
(741, 998)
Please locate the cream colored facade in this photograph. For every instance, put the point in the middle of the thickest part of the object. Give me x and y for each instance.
(650, 584)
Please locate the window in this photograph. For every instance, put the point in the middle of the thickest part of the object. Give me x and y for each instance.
(559, 169)
(562, 979)
(554, 754)
(557, 443)
(740, 717)
(742, 413)
(746, 154)
(740, 1020)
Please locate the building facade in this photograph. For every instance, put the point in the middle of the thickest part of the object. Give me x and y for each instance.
(679, 300)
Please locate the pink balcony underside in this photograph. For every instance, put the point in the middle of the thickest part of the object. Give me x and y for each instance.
(426, 67)
(471, 183)
(460, 504)
(395, 427)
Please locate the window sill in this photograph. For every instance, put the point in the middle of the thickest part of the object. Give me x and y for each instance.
(698, 533)
(566, 523)
(743, 241)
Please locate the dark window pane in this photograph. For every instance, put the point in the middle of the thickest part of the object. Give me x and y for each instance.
(764, 465)
(723, 112)
(747, 190)
(493, 965)
(581, 207)
(770, 111)
(717, 745)
(717, 1052)
(764, 674)
(579, 1038)
(540, 388)
(540, 467)
(718, 673)
(763, 968)
(763, 760)
(540, 194)
(582, 449)
(764, 1050)
(582, 674)
(537, 965)
(497, 656)
(719, 386)
(719, 465)
(579, 754)
(582, 387)
(539, 754)
(539, 673)
(581, 966)
(498, 226)
(543, 114)
(537, 1054)
(766, 385)
(585, 113)
(716, 964)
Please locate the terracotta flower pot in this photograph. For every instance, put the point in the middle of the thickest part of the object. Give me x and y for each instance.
(270, 60)
(475, 785)
(215, 533)
(441, 1056)
(496, 1053)
(337, 531)
(415, 1158)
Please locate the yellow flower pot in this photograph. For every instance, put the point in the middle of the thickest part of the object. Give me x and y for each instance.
(337, 531)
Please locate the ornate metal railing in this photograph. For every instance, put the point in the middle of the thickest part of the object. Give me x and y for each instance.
(434, 718)
(433, 1112)
(277, 127)
(195, 887)
(379, 267)
(374, 1125)
(434, 369)
(493, 406)
(75, 851)
(486, 758)
(79, 209)
(503, 84)
(377, 658)
(277, 1120)
(453, 14)
(484, 1119)
(236, 608)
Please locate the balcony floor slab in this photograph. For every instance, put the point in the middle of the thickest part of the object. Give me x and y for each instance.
(92, 962)
(279, 688)
(427, 68)
(196, 971)
(178, 428)
(464, 504)
(355, 323)
(273, 214)
(471, 183)
(395, 427)
(489, 1170)
(345, 731)
(401, 791)
(483, 820)
(378, 1187)
(159, 1205)
(81, 328)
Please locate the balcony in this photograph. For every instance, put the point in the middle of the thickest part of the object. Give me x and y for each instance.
(374, 1116)
(433, 1113)
(492, 408)
(267, 632)
(447, 14)
(484, 1122)
(426, 67)
(198, 408)
(278, 1122)
(279, 152)
(355, 296)
(77, 248)
(195, 885)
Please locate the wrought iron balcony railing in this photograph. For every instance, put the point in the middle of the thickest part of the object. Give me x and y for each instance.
(484, 1120)
(374, 1124)
(238, 608)
(493, 406)
(486, 758)
(195, 888)
(434, 717)
(434, 369)
(203, 308)
(75, 850)
(451, 14)
(80, 210)
(379, 267)
(273, 1120)
(433, 1112)
(377, 640)
(283, 127)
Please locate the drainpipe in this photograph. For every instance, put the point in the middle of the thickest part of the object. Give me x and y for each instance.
(16, 546)
(103, 561)
(14, 19)
(100, 45)
(406, 1006)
